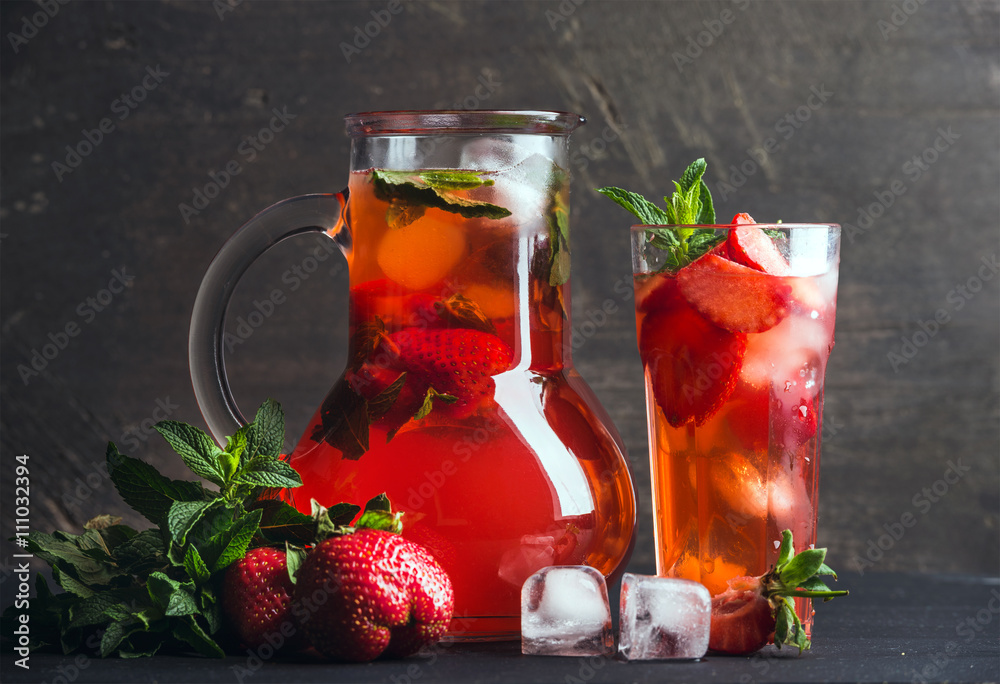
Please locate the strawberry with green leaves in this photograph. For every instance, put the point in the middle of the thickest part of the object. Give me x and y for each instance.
(372, 592)
(756, 611)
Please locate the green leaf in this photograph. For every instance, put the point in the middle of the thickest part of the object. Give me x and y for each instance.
(786, 550)
(195, 566)
(813, 584)
(825, 569)
(264, 471)
(232, 544)
(145, 490)
(380, 405)
(802, 567)
(267, 436)
(428, 404)
(706, 216)
(184, 515)
(141, 553)
(692, 174)
(199, 451)
(295, 556)
(70, 583)
(342, 513)
(378, 515)
(175, 598)
(344, 422)
(54, 551)
(648, 213)
(190, 632)
(782, 622)
(399, 214)
(434, 189)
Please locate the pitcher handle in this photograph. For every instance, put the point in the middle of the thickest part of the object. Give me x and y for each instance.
(319, 213)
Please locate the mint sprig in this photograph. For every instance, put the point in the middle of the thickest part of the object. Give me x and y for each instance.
(131, 592)
(690, 205)
(410, 192)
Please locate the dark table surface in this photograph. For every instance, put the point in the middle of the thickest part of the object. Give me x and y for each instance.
(892, 628)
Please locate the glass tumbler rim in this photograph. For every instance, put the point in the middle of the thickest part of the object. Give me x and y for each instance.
(462, 122)
(730, 226)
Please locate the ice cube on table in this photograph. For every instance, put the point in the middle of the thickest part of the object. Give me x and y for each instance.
(663, 617)
(565, 612)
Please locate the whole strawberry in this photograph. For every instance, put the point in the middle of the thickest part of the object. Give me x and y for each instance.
(756, 611)
(256, 598)
(372, 593)
(459, 362)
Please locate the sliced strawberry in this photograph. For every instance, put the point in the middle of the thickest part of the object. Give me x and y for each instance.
(693, 363)
(459, 362)
(751, 246)
(742, 620)
(732, 296)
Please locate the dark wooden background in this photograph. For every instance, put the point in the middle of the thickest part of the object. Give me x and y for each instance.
(896, 78)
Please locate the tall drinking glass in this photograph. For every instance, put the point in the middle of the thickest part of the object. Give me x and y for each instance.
(734, 360)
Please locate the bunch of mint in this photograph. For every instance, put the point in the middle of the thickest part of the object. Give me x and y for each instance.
(135, 592)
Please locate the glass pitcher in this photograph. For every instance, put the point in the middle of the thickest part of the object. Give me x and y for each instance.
(460, 400)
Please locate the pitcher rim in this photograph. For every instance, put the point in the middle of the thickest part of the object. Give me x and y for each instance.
(462, 121)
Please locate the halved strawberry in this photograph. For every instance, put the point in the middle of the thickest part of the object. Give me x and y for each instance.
(734, 296)
(693, 363)
(752, 247)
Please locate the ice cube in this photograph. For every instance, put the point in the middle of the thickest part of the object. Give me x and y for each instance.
(526, 189)
(565, 611)
(808, 251)
(663, 617)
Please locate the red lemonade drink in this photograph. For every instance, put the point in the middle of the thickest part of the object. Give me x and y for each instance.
(734, 348)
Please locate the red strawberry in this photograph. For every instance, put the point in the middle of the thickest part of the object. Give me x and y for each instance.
(459, 362)
(373, 593)
(734, 296)
(756, 611)
(256, 594)
(693, 363)
(751, 246)
(742, 620)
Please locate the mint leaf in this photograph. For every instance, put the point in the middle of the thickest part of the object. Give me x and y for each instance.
(199, 451)
(195, 566)
(190, 632)
(342, 513)
(141, 553)
(647, 212)
(428, 404)
(431, 188)
(344, 422)
(380, 405)
(184, 515)
(144, 489)
(267, 436)
(232, 544)
(264, 471)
